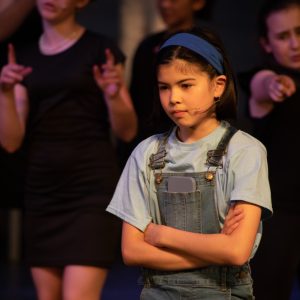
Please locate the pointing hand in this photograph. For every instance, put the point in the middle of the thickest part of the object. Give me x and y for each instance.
(12, 73)
(109, 75)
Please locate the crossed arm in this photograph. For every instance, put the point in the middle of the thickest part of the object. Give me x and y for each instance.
(166, 248)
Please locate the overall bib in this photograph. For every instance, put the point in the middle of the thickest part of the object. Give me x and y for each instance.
(194, 211)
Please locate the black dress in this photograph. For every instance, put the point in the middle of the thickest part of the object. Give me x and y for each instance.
(71, 164)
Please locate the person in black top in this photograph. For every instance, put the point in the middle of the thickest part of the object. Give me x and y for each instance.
(61, 97)
(274, 105)
(20, 24)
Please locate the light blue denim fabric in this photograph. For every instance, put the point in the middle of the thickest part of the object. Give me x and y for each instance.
(194, 211)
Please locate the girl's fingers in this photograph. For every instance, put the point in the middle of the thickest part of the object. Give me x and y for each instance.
(17, 73)
(233, 212)
(232, 228)
(110, 59)
(233, 220)
(234, 216)
(14, 68)
(13, 75)
(112, 81)
(11, 54)
(290, 87)
(106, 68)
(96, 71)
(282, 87)
(237, 210)
(26, 71)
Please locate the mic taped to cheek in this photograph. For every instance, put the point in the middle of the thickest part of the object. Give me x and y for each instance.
(197, 110)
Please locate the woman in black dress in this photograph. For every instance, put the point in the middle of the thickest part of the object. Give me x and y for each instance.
(55, 97)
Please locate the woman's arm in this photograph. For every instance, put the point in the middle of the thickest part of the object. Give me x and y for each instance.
(137, 252)
(13, 103)
(13, 15)
(233, 249)
(13, 114)
(266, 88)
(122, 116)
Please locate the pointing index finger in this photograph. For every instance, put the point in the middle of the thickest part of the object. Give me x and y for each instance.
(110, 59)
(11, 54)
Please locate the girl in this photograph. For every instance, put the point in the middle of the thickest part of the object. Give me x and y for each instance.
(177, 187)
(274, 94)
(55, 95)
(176, 15)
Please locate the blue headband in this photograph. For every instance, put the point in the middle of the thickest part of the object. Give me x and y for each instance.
(198, 45)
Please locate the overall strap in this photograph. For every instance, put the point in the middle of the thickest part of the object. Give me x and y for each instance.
(157, 160)
(214, 156)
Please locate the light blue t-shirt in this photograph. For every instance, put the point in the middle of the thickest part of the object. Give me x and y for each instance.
(244, 176)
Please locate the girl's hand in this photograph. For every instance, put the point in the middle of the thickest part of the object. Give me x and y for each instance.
(280, 87)
(12, 73)
(109, 76)
(152, 234)
(232, 219)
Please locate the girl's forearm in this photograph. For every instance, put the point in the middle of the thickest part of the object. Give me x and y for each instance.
(12, 129)
(233, 249)
(137, 252)
(122, 116)
(160, 259)
(214, 248)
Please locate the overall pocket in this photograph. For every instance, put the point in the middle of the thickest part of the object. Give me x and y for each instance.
(193, 211)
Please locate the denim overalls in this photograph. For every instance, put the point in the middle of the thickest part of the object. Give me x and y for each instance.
(194, 211)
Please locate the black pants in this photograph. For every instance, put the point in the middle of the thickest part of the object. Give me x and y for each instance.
(275, 264)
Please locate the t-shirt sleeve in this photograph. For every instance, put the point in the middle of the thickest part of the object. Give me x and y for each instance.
(249, 169)
(130, 201)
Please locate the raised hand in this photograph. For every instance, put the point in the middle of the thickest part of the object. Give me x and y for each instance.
(280, 87)
(109, 76)
(232, 219)
(12, 73)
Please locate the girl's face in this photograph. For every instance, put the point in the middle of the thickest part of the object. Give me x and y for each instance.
(187, 94)
(283, 39)
(55, 11)
(177, 13)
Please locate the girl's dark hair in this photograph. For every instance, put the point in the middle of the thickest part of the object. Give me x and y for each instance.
(226, 107)
(269, 7)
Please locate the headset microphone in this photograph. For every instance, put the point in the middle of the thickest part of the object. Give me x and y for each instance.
(198, 111)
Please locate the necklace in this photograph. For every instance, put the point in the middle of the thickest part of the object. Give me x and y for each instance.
(60, 46)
